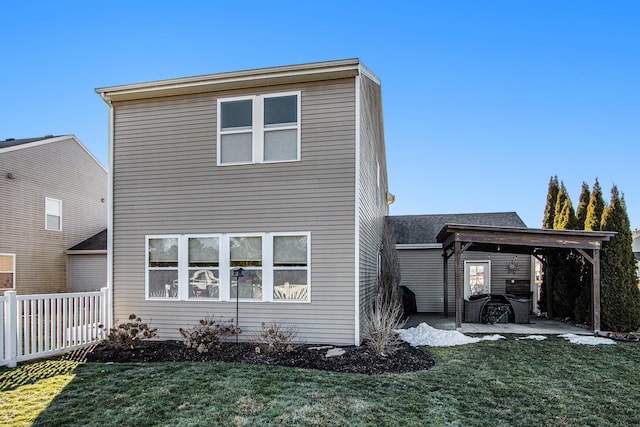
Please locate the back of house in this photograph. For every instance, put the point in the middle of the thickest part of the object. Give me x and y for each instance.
(257, 196)
(53, 193)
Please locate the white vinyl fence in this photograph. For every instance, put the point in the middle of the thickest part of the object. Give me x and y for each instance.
(43, 325)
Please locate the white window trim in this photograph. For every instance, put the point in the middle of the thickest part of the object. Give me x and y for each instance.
(224, 267)
(467, 287)
(13, 266)
(257, 128)
(46, 213)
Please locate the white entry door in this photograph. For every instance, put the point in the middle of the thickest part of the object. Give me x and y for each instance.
(477, 278)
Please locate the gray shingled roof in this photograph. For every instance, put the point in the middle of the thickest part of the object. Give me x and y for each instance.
(414, 229)
(94, 243)
(10, 142)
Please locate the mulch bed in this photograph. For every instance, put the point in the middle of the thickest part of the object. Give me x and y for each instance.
(359, 360)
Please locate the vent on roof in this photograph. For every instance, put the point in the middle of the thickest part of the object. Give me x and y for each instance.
(10, 139)
(48, 136)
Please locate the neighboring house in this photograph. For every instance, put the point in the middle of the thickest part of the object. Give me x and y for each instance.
(87, 265)
(53, 193)
(278, 171)
(421, 260)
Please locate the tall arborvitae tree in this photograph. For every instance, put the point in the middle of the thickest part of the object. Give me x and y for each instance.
(620, 297)
(558, 220)
(582, 309)
(547, 222)
(583, 204)
(565, 264)
(594, 209)
(550, 208)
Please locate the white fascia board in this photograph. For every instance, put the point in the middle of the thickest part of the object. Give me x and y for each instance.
(239, 79)
(87, 252)
(419, 246)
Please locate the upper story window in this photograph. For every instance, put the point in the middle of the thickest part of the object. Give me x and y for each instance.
(7, 271)
(53, 214)
(259, 129)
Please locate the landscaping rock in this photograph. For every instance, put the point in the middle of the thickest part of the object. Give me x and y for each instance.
(335, 352)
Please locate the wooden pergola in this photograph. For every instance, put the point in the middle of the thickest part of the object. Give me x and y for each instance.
(456, 239)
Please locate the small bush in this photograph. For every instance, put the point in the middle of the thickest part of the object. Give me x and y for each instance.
(207, 334)
(277, 337)
(126, 336)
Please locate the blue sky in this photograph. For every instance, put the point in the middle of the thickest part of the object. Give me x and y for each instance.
(484, 100)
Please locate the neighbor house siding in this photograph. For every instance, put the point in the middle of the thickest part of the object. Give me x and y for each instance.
(372, 200)
(422, 271)
(165, 181)
(61, 170)
(88, 272)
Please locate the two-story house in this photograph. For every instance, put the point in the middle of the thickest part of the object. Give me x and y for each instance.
(53, 193)
(257, 195)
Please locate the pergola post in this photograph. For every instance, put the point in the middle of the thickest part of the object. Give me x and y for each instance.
(445, 280)
(459, 291)
(595, 288)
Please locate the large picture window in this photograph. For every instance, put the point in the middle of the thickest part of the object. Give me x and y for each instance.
(7, 271)
(259, 129)
(275, 267)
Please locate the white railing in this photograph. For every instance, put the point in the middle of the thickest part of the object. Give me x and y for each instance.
(43, 325)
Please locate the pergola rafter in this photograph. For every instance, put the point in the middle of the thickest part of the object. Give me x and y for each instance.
(457, 238)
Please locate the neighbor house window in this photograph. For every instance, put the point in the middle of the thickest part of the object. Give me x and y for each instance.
(275, 267)
(7, 271)
(259, 129)
(290, 268)
(53, 214)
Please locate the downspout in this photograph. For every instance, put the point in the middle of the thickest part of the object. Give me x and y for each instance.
(109, 319)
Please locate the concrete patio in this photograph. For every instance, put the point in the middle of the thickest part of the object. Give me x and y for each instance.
(538, 326)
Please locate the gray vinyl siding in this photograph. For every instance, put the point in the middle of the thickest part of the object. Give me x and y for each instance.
(372, 204)
(422, 270)
(87, 272)
(166, 182)
(60, 170)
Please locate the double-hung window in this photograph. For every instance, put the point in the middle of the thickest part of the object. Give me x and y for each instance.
(204, 267)
(7, 271)
(259, 129)
(246, 253)
(290, 267)
(162, 266)
(53, 214)
(273, 267)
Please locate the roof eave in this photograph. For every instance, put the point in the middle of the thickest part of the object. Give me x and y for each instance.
(234, 80)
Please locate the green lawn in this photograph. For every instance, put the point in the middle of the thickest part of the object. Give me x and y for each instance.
(507, 382)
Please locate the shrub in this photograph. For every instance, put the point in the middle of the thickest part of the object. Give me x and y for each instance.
(126, 336)
(276, 337)
(385, 317)
(207, 334)
(379, 327)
